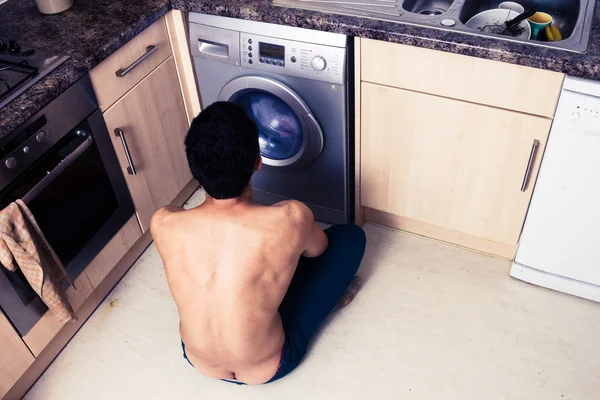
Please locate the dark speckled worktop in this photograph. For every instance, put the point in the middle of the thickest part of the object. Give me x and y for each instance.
(89, 32)
(585, 65)
(93, 29)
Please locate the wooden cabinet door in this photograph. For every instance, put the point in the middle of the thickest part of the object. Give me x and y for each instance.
(450, 169)
(15, 357)
(151, 46)
(153, 120)
(112, 253)
(477, 80)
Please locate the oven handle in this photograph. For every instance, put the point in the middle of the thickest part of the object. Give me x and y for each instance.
(68, 160)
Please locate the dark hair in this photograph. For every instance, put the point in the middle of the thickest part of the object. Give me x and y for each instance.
(222, 149)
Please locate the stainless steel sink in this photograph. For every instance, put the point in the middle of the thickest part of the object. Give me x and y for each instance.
(572, 17)
(427, 7)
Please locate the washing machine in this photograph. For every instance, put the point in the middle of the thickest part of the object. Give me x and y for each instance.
(294, 84)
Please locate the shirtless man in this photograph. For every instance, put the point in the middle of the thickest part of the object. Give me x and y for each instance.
(252, 283)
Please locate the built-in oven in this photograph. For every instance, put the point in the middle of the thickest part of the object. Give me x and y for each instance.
(61, 163)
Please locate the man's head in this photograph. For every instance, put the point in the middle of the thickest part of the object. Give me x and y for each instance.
(222, 150)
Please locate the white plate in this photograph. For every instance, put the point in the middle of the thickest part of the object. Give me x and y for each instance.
(497, 17)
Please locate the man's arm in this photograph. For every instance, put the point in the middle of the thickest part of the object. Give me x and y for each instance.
(313, 241)
(316, 240)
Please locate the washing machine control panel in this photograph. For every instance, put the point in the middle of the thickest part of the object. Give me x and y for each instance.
(304, 60)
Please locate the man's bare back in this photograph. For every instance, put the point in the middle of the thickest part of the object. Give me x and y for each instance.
(252, 283)
(229, 264)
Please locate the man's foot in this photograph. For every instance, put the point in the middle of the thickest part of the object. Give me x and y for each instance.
(350, 292)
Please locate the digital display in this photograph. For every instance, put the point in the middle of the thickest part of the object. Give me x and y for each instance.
(271, 51)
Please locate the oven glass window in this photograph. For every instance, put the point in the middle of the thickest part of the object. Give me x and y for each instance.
(279, 131)
(75, 205)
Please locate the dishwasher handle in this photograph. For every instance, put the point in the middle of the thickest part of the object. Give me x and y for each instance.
(527, 177)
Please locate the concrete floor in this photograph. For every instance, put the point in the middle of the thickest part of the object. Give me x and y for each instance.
(432, 322)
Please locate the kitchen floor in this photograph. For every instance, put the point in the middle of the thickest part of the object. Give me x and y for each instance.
(431, 322)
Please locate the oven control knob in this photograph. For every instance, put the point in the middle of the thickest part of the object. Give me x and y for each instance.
(11, 163)
(40, 137)
(318, 63)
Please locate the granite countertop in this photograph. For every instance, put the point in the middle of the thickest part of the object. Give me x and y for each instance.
(91, 31)
(585, 65)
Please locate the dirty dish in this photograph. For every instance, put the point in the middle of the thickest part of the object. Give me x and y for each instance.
(492, 21)
(538, 21)
(511, 5)
(521, 17)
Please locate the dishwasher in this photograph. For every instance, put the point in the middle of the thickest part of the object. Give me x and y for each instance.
(560, 243)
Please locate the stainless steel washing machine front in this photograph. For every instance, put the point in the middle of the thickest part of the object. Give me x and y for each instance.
(293, 83)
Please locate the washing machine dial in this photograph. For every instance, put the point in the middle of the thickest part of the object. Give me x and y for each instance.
(318, 63)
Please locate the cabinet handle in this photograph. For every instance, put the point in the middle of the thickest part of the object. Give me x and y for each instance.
(131, 169)
(124, 71)
(534, 148)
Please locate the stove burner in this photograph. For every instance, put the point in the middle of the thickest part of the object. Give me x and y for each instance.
(13, 75)
(21, 67)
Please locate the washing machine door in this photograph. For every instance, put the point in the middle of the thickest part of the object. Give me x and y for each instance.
(289, 135)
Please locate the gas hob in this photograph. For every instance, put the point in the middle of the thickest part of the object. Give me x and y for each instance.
(21, 67)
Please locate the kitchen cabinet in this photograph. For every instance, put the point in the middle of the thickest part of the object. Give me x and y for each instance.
(153, 110)
(178, 35)
(152, 117)
(15, 357)
(448, 169)
(445, 155)
(103, 263)
(153, 120)
(477, 80)
(112, 78)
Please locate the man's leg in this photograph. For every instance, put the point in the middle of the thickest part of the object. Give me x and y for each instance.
(316, 288)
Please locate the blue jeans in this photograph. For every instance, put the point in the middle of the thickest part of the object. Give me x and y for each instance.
(317, 286)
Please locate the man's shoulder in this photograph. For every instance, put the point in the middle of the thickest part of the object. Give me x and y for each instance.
(163, 217)
(294, 210)
(294, 218)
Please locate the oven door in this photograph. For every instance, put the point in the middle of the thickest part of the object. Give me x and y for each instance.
(80, 200)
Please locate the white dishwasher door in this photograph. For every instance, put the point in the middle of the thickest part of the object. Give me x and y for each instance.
(561, 234)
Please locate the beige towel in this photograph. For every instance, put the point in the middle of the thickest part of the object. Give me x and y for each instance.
(23, 246)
